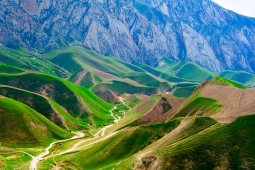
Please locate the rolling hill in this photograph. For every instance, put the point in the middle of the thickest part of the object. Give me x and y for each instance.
(98, 112)
(23, 126)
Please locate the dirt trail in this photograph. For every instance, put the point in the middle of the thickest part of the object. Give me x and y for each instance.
(43, 156)
(35, 160)
(237, 103)
(81, 75)
(152, 107)
(121, 99)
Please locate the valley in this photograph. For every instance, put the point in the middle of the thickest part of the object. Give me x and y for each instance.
(73, 108)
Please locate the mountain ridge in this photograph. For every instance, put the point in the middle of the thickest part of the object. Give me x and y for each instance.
(143, 31)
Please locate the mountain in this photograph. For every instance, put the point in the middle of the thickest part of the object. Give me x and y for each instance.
(144, 31)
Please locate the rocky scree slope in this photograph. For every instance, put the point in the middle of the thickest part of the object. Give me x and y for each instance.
(144, 30)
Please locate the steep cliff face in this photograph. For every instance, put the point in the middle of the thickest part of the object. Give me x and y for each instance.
(144, 30)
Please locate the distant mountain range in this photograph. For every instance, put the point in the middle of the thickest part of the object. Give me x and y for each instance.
(144, 31)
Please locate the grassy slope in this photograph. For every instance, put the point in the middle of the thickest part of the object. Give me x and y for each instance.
(228, 146)
(120, 146)
(240, 76)
(46, 107)
(147, 80)
(74, 58)
(193, 72)
(71, 123)
(78, 56)
(87, 80)
(183, 92)
(226, 82)
(29, 60)
(36, 102)
(23, 126)
(199, 143)
(185, 70)
(47, 86)
(10, 69)
(96, 105)
(165, 76)
(78, 101)
(199, 106)
(122, 87)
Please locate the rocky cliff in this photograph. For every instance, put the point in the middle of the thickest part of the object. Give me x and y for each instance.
(144, 30)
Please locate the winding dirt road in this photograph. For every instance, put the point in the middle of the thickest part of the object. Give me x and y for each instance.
(42, 156)
(35, 160)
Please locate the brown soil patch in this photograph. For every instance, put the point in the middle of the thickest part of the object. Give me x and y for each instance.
(159, 109)
(236, 102)
(150, 162)
(46, 90)
(145, 102)
(106, 94)
(173, 100)
(1, 96)
(175, 103)
(80, 75)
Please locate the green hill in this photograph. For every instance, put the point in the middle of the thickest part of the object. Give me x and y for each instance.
(193, 143)
(47, 108)
(23, 126)
(118, 147)
(76, 57)
(177, 115)
(242, 77)
(31, 61)
(10, 69)
(219, 146)
(79, 102)
(185, 70)
(226, 82)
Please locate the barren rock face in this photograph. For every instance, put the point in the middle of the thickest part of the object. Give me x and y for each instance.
(144, 30)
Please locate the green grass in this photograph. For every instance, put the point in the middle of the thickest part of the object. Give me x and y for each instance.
(66, 61)
(85, 57)
(228, 146)
(10, 69)
(147, 80)
(225, 82)
(10, 61)
(96, 105)
(36, 102)
(118, 147)
(71, 122)
(164, 75)
(169, 66)
(241, 77)
(10, 159)
(22, 126)
(78, 101)
(48, 86)
(185, 70)
(31, 61)
(134, 102)
(197, 106)
(193, 72)
(200, 107)
(87, 80)
(183, 92)
(123, 87)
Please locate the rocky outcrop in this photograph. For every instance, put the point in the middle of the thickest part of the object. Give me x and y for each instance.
(144, 31)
